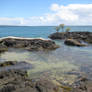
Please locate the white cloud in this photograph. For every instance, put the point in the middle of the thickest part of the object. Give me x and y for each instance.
(72, 14)
(10, 21)
(55, 7)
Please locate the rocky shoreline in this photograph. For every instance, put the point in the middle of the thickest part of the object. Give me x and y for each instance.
(31, 44)
(17, 80)
(14, 78)
(76, 38)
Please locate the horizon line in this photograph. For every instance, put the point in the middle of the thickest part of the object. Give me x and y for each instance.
(40, 25)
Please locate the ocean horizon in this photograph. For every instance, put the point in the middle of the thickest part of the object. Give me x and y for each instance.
(36, 31)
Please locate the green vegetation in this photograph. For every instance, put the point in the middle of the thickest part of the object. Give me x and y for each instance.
(61, 26)
(68, 29)
(57, 28)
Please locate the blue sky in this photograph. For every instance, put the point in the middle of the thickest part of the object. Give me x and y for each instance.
(24, 9)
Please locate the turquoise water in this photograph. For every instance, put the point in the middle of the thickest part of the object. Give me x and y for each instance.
(64, 64)
(41, 31)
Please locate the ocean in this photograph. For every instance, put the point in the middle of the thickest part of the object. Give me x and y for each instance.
(66, 63)
(35, 31)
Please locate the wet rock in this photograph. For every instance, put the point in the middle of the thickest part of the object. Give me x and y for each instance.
(47, 86)
(72, 42)
(7, 88)
(16, 80)
(27, 43)
(3, 49)
(83, 85)
(8, 65)
(81, 36)
(13, 81)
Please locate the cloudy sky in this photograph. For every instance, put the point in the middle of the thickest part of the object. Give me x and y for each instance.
(45, 12)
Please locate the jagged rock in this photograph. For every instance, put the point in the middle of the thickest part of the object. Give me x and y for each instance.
(27, 43)
(83, 85)
(44, 85)
(81, 36)
(17, 80)
(73, 42)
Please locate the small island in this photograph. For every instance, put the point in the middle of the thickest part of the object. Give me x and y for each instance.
(72, 38)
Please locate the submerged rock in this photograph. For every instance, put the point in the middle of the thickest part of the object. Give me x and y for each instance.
(73, 42)
(9, 65)
(17, 81)
(27, 43)
(3, 49)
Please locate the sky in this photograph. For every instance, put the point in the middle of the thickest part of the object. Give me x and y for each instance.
(45, 12)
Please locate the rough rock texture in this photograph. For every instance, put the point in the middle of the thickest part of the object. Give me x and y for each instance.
(83, 85)
(27, 43)
(81, 36)
(16, 80)
(73, 42)
(8, 65)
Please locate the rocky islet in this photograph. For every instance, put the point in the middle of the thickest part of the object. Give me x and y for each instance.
(77, 38)
(31, 44)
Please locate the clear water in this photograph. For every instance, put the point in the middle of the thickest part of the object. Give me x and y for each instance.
(64, 64)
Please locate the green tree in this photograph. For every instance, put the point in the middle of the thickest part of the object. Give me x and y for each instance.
(62, 27)
(57, 28)
(68, 29)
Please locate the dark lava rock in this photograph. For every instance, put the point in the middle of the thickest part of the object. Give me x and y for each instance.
(83, 85)
(45, 85)
(73, 42)
(17, 80)
(27, 43)
(8, 65)
(81, 36)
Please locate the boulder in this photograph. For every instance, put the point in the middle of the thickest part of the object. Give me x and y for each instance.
(73, 42)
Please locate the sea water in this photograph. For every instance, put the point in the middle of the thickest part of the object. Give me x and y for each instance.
(64, 64)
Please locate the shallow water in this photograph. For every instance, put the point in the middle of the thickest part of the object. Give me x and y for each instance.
(64, 64)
